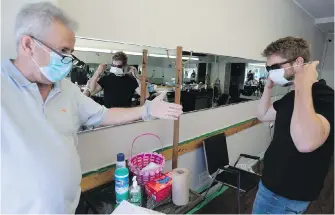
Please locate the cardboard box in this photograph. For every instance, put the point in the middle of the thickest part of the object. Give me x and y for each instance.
(160, 188)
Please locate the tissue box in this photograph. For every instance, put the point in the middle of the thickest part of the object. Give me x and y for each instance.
(160, 188)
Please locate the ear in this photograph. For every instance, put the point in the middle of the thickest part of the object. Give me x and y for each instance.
(300, 61)
(26, 45)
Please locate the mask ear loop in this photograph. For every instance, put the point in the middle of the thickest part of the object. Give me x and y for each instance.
(33, 59)
(40, 45)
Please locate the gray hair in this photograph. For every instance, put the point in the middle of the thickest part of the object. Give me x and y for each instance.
(35, 19)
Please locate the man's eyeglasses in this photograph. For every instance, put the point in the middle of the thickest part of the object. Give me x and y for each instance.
(66, 59)
(278, 65)
(117, 66)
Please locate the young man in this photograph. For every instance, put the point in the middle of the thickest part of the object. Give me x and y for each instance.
(297, 160)
(45, 42)
(119, 85)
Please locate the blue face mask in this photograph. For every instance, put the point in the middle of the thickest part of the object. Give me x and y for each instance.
(56, 70)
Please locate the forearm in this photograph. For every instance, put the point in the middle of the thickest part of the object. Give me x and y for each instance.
(138, 91)
(93, 82)
(265, 103)
(307, 130)
(123, 115)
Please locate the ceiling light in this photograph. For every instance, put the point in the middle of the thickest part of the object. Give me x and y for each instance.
(257, 64)
(86, 49)
(156, 55)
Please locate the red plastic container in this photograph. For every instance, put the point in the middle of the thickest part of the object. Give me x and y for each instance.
(160, 188)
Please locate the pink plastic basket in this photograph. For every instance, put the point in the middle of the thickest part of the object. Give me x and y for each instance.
(141, 160)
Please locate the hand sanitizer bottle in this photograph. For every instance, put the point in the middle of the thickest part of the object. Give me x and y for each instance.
(135, 194)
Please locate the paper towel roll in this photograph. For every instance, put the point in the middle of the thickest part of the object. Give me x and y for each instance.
(180, 186)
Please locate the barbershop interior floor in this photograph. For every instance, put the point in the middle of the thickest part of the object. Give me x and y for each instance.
(226, 203)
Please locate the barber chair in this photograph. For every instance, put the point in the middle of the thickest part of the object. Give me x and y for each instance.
(223, 99)
(217, 162)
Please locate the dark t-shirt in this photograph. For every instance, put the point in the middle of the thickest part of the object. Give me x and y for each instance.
(118, 90)
(288, 172)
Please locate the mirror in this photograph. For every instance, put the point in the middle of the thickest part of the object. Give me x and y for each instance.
(208, 80)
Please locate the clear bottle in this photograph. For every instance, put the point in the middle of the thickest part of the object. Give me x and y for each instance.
(135, 194)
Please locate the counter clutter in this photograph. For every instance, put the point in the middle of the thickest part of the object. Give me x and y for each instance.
(167, 193)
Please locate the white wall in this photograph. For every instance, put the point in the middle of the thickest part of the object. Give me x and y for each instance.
(9, 9)
(233, 28)
(328, 67)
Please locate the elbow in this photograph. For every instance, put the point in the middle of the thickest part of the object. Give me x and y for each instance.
(305, 145)
(260, 118)
(303, 142)
(304, 148)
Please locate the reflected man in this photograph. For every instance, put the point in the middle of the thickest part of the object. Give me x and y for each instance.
(119, 84)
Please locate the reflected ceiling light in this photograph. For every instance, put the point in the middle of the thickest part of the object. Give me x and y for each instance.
(155, 55)
(86, 49)
(257, 64)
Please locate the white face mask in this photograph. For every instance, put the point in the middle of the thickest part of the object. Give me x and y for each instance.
(116, 71)
(278, 77)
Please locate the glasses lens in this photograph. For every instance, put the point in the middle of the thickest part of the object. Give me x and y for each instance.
(75, 62)
(67, 59)
(117, 66)
(273, 67)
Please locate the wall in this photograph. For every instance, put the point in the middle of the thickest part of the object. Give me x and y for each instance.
(241, 32)
(328, 67)
(9, 9)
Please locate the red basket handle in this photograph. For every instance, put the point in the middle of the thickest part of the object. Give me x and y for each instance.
(145, 134)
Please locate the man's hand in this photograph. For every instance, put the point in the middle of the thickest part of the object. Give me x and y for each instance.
(164, 110)
(100, 70)
(269, 84)
(157, 109)
(306, 76)
(266, 112)
(133, 72)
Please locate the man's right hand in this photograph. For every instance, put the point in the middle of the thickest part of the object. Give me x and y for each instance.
(269, 84)
(100, 69)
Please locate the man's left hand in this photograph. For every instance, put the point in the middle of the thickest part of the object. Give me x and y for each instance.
(133, 72)
(306, 75)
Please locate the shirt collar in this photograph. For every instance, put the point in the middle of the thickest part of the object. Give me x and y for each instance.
(19, 78)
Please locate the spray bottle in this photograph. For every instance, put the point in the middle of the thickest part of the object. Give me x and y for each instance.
(135, 194)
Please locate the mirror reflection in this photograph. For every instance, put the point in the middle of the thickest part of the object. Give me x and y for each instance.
(112, 76)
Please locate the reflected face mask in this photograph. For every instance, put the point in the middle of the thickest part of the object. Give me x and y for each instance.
(117, 71)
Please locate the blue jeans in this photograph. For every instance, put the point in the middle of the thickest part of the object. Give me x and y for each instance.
(267, 202)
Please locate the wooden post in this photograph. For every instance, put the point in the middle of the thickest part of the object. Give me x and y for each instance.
(144, 76)
(177, 101)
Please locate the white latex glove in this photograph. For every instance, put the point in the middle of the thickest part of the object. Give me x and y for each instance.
(164, 110)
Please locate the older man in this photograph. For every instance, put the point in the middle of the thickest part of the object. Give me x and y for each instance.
(45, 40)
